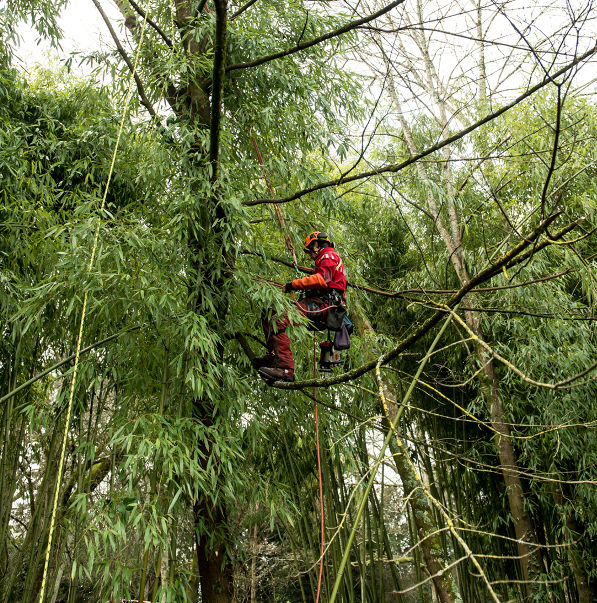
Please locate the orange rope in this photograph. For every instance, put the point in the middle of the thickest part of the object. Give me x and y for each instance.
(290, 248)
(319, 472)
(277, 209)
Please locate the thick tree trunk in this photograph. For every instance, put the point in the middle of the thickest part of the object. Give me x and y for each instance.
(212, 533)
(213, 538)
(214, 563)
(200, 102)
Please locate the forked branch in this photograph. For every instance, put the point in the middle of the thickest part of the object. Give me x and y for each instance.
(328, 36)
(140, 89)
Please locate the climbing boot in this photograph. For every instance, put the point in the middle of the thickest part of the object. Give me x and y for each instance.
(267, 360)
(272, 374)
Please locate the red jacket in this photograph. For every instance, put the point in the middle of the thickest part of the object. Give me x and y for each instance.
(329, 273)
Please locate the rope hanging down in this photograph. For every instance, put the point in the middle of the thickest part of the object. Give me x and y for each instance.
(82, 323)
(318, 472)
(290, 248)
(287, 239)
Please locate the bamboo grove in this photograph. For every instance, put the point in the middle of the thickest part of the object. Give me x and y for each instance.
(449, 150)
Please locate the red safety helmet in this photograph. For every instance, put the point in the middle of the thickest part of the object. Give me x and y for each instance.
(320, 237)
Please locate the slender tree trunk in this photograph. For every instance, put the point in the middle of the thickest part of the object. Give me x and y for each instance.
(253, 566)
(530, 562)
(574, 531)
(430, 542)
(163, 570)
(425, 525)
(57, 581)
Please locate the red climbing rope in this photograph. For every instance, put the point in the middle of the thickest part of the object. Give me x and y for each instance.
(290, 248)
(277, 209)
(318, 471)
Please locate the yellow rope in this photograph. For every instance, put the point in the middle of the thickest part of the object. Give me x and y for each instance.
(90, 265)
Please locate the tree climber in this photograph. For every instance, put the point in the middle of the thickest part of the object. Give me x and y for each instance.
(322, 289)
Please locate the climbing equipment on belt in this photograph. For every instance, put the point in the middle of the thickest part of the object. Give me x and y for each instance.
(330, 357)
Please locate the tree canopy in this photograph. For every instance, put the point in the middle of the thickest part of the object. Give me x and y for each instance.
(152, 198)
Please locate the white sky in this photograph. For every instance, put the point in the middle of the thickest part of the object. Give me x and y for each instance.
(84, 30)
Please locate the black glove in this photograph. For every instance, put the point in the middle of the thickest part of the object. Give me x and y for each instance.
(287, 288)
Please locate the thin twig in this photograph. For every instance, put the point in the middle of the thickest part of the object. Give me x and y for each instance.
(140, 89)
(141, 12)
(242, 9)
(328, 36)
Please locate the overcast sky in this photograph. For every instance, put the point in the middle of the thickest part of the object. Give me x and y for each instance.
(85, 31)
(83, 28)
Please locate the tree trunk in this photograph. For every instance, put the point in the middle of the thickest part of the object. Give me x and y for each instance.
(214, 563)
(212, 534)
(574, 531)
(530, 561)
(164, 570)
(253, 566)
(427, 530)
(430, 542)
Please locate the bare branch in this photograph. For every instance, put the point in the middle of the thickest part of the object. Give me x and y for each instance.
(140, 89)
(509, 259)
(328, 36)
(447, 141)
(242, 9)
(143, 15)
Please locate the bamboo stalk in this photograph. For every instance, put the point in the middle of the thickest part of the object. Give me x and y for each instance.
(31, 538)
(343, 504)
(57, 365)
(336, 487)
(6, 504)
(381, 457)
(156, 582)
(304, 529)
(162, 399)
(376, 520)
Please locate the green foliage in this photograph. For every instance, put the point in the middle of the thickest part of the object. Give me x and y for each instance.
(174, 441)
